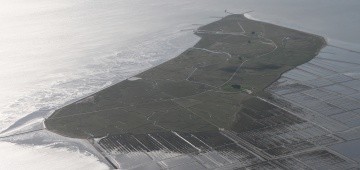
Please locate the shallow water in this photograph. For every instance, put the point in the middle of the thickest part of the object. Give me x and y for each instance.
(44, 157)
(56, 52)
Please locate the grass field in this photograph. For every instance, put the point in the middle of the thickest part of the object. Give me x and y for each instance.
(210, 86)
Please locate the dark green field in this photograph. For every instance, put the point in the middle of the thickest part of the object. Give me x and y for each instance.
(213, 85)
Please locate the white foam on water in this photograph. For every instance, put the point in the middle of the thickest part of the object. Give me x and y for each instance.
(133, 78)
(249, 16)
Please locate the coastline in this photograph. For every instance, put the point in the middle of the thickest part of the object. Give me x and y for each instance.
(113, 162)
(142, 78)
(200, 32)
(329, 41)
(100, 90)
(27, 103)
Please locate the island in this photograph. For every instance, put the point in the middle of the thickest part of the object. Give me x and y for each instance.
(206, 108)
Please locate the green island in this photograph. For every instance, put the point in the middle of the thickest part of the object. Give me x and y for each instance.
(216, 85)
